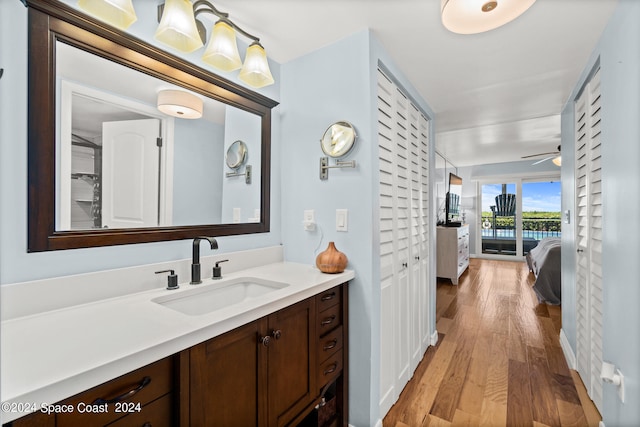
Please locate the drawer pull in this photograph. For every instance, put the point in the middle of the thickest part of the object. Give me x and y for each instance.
(276, 334)
(145, 382)
(328, 320)
(328, 297)
(332, 369)
(332, 344)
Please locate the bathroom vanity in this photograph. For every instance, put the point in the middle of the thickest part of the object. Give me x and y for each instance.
(268, 360)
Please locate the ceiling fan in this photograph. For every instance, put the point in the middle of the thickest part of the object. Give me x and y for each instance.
(553, 155)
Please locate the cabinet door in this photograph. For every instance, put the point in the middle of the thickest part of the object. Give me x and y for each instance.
(224, 380)
(292, 362)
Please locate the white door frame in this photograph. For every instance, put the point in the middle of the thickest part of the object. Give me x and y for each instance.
(63, 149)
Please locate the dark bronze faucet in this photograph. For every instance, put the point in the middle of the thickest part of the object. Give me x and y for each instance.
(195, 262)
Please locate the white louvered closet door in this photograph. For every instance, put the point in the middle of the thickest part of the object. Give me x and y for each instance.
(589, 238)
(403, 183)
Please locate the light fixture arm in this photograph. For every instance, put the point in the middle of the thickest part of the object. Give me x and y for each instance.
(204, 6)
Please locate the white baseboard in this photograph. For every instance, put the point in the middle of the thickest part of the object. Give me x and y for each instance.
(434, 338)
(568, 352)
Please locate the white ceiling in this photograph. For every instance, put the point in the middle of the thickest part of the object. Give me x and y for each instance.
(497, 96)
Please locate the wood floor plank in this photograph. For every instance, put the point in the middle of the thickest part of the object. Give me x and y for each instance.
(519, 412)
(495, 341)
(448, 396)
(545, 409)
(498, 370)
(493, 414)
(472, 394)
(571, 415)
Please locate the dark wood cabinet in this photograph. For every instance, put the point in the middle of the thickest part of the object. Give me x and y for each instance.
(261, 374)
(276, 371)
(141, 397)
(291, 362)
(224, 379)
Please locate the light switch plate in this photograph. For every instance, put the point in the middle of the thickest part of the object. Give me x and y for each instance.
(342, 220)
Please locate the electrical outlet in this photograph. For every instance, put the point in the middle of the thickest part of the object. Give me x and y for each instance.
(309, 220)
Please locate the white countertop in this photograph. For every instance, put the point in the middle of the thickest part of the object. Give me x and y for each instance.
(53, 355)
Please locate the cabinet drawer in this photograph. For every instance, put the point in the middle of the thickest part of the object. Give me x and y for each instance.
(329, 319)
(329, 344)
(328, 298)
(157, 414)
(140, 386)
(330, 369)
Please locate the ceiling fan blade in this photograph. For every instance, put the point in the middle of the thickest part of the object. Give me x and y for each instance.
(540, 154)
(543, 160)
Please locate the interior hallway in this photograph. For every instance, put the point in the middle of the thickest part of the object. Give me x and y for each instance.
(498, 360)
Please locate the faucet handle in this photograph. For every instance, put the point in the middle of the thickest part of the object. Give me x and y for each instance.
(172, 279)
(217, 270)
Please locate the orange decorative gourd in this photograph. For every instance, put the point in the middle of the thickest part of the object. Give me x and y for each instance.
(331, 260)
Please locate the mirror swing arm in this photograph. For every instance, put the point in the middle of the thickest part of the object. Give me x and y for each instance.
(51, 21)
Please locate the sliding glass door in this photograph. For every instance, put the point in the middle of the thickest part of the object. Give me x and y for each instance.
(517, 214)
(540, 212)
(499, 219)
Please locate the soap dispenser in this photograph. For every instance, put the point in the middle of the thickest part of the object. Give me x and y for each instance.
(172, 279)
(217, 270)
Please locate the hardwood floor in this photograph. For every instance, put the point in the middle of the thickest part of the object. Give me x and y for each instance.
(498, 360)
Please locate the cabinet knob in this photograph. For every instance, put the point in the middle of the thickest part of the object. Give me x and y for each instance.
(265, 341)
(405, 265)
(276, 334)
(417, 257)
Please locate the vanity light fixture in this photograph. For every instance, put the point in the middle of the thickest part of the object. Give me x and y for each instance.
(478, 16)
(180, 29)
(119, 13)
(178, 103)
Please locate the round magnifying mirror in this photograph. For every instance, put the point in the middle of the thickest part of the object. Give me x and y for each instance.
(236, 154)
(338, 139)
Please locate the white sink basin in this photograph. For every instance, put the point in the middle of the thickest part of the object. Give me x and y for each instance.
(209, 298)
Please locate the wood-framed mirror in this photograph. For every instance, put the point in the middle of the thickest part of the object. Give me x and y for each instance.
(83, 192)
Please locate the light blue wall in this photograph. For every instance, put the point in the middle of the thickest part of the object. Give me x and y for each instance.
(344, 87)
(243, 126)
(198, 155)
(16, 265)
(619, 55)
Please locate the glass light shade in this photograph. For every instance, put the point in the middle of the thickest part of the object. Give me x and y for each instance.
(178, 26)
(180, 104)
(477, 16)
(557, 161)
(255, 71)
(119, 13)
(222, 50)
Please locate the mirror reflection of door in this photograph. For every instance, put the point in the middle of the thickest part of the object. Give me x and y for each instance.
(130, 173)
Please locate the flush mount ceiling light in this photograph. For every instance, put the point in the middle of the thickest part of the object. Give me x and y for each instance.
(178, 103)
(119, 13)
(477, 16)
(180, 29)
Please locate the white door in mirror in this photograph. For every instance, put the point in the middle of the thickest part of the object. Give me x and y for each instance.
(129, 173)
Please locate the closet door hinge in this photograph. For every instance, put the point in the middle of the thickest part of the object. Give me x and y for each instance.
(159, 142)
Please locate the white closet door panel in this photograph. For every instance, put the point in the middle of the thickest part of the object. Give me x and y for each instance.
(589, 234)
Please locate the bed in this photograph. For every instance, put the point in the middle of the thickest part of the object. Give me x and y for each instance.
(544, 263)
